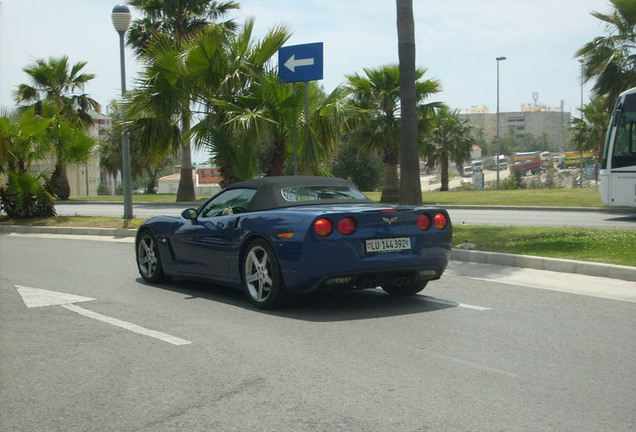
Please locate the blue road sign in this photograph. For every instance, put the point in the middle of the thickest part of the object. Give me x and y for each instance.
(300, 63)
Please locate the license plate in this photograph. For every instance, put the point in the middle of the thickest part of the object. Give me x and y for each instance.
(388, 245)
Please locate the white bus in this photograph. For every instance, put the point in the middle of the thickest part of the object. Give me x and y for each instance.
(617, 176)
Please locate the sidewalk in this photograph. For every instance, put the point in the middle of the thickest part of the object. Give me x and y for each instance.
(627, 273)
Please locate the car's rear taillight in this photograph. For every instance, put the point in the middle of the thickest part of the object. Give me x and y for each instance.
(440, 220)
(323, 227)
(347, 226)
(424, 222)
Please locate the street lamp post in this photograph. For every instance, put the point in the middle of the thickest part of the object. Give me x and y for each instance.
(121, 21)
(581, 144)
(497, 133)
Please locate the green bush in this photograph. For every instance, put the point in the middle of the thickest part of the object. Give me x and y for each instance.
(25, 196)
(102, 189)
(513, 182)
(365, 171)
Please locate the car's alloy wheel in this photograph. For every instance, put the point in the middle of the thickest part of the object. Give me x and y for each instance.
(148, 259)
(261, 275)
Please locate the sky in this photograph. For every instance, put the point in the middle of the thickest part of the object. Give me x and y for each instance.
(457, 41)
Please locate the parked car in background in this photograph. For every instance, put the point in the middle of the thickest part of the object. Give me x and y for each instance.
(276, 236)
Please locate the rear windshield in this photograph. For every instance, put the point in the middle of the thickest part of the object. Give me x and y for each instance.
(317, 193)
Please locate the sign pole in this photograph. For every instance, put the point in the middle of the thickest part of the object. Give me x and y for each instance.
(295, 135)
(307, 108)
(300, 63)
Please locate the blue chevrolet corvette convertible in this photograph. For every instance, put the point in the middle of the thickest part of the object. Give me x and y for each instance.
(274, 236)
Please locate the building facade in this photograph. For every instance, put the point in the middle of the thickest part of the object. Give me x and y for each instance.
(540, 122)
(206, 182)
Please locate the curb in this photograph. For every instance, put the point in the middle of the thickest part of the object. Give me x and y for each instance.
(626, 273)
(612, 271)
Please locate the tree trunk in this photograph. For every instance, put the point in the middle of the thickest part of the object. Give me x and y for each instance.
(410, 186)
(151, 188)
(390, 190)
(444, 166)
(59, 183)
(277, 163)
(228, 176)
(185, 192)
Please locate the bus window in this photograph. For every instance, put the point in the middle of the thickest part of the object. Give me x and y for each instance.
(625, 143)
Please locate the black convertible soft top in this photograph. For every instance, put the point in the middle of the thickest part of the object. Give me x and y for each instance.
(269, 196)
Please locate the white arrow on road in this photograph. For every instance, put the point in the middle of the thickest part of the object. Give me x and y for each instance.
(292, 63)
(36, 297)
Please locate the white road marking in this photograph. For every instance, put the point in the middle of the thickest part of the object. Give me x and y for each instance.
(127, 326)
(591, 286)
(37, 297)
(452, 303)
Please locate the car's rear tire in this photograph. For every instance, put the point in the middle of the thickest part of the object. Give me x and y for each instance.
(262, 280)
(149, 259)
(409, 289)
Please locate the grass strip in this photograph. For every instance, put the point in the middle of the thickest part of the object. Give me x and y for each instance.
(580, 244)
(587, 197)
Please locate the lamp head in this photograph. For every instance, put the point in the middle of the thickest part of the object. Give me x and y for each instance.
(121, 18)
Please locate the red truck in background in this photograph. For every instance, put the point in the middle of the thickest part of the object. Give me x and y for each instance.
(531, 162)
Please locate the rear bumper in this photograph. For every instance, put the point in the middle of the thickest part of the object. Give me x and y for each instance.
(364, 280)
(319, 266)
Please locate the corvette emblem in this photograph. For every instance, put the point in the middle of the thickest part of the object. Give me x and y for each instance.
(390, 220)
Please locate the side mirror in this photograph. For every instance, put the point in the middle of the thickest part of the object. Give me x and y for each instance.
(190, 214)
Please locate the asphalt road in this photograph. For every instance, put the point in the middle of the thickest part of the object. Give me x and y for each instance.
(469, 216)
(486, 348)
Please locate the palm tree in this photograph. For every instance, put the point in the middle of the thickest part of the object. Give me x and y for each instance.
(328, 116)
(410, 186)
(72, 144)
(611, 59)
(22, 142)
(143, 160)
(56, 91)
(179, 19)
(269, 113)
(167, 86)
(58, 83)
(376, 96)
(241, 98)
(589, 131)
(450, 141)
(159, 109)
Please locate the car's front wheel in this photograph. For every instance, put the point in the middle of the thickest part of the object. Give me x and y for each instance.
(148, 258)
(262, 279)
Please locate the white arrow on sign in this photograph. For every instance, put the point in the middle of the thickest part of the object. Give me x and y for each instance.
(292, 63)
(36, 297)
